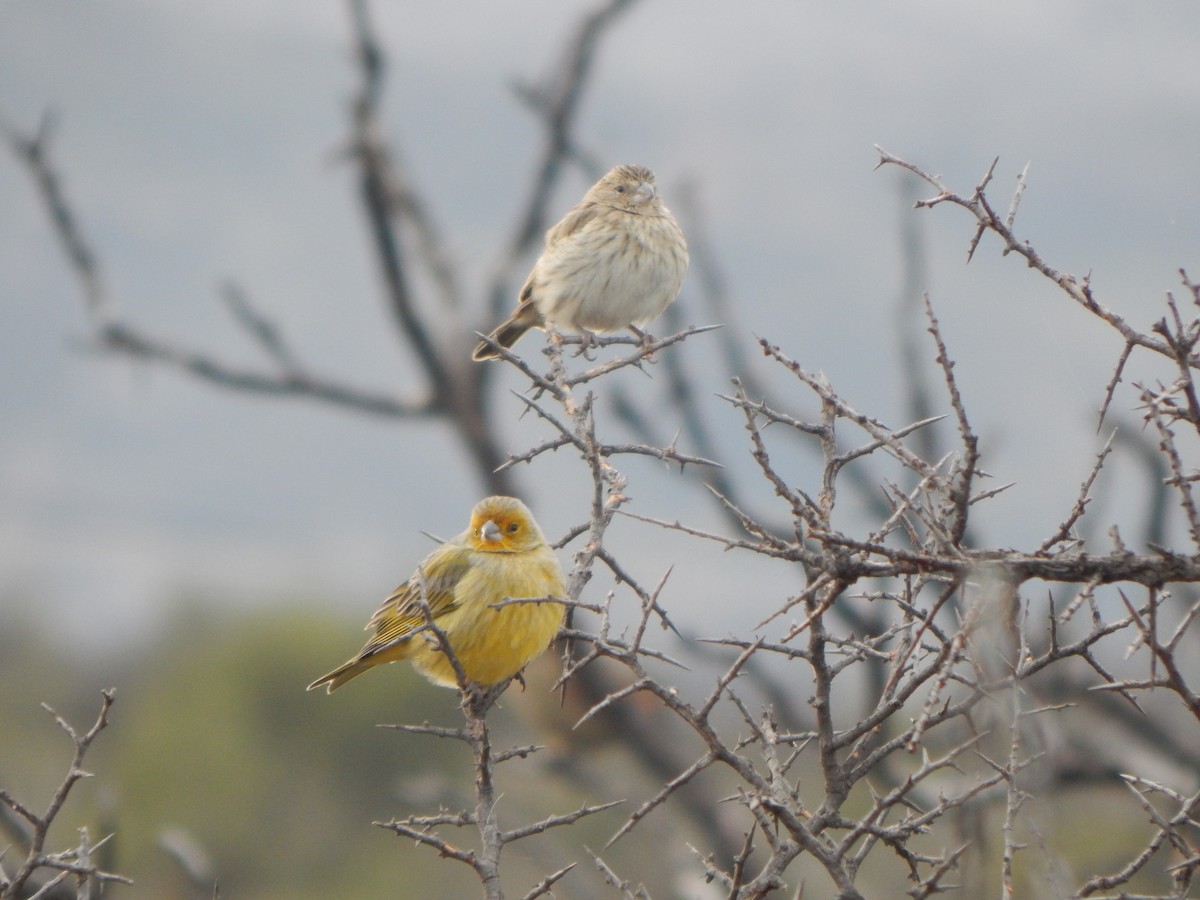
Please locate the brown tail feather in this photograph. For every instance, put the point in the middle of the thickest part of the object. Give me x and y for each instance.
(509, 331)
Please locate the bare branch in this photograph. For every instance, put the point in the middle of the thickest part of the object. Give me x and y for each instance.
(76, 861)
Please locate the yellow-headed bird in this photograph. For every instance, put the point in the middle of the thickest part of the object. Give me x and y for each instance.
(501, 555)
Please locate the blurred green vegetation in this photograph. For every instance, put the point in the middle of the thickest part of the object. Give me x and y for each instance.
(214, 738)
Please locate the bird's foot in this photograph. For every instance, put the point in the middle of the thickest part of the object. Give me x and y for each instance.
(588, 342)
(647, 340)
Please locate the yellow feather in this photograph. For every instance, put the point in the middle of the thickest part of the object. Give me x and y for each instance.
(502, 555)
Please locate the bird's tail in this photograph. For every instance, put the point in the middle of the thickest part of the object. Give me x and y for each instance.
(343, 673)
(509, 331)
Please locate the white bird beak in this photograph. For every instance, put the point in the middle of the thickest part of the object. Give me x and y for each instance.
(490, 532)
(644, 192)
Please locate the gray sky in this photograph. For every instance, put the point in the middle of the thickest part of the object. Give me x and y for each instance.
(200, 144)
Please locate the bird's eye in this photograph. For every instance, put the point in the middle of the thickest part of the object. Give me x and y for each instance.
(514, 527)
(620, 188)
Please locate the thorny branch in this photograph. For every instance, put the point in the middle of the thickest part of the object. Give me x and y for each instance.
(75, 863)
(950, 727)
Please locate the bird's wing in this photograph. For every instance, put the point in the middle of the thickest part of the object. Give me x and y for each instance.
(401, 613)
(573, 222)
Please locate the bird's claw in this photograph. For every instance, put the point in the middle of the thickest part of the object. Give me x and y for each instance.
(587, 343)
(647, 341)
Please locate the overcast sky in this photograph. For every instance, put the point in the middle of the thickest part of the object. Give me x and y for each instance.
(200, 143)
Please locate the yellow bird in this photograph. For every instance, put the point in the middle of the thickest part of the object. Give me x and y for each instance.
(501, 555)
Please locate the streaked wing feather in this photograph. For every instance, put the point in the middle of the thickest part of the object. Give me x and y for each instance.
(572, 222)
(401, 614)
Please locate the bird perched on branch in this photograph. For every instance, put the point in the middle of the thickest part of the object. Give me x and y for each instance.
(616, 260)
(502, 555)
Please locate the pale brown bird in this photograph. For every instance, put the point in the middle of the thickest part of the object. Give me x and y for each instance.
(616, 260)
(502, 554)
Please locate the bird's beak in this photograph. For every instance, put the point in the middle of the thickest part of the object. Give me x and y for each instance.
(490, 532)
(644, 192)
